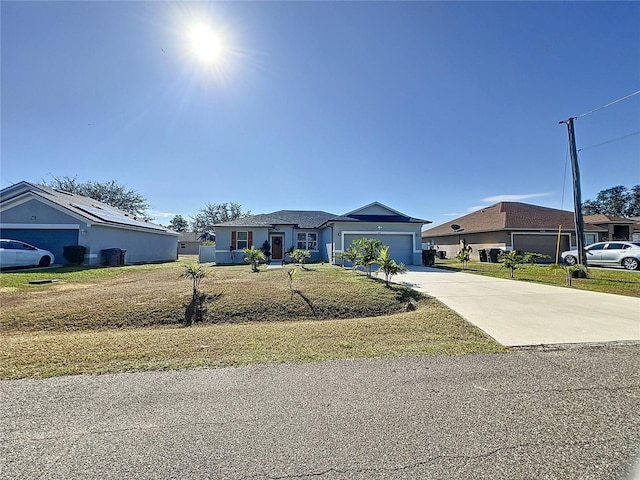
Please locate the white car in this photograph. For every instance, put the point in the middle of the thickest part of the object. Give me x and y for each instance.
(14, 253)
(626, 254)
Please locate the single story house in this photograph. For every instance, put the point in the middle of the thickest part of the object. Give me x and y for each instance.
(52, 219)
(323, 234)
(510, 226)
(618, 228)
(188, 243)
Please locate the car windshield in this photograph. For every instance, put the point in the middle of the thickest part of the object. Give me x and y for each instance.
(636, 244)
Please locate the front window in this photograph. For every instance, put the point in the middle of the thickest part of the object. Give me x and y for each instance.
(242, 240)
(596, 246)
(307, 241)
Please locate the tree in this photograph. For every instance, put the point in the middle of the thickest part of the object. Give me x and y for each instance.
(616, 202)
(254, 256)
(633, 206)
(388, 265)
(111, 193)
(368, 252)
(512, 260)
(214, 213)
(464, 255)
(350, 255)
(179, 224)
(298, 255)
(196, 309)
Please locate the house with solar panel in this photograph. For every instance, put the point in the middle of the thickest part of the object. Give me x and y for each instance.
(52, 219)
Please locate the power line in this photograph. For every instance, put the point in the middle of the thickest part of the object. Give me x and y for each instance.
(608, 104)
(610, 141)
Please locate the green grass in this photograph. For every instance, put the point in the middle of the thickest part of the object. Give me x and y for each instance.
(606, 280)
(129, 319)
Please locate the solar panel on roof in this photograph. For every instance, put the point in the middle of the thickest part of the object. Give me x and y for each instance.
(115, 217)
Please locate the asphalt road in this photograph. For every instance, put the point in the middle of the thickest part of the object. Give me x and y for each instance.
(529, 414)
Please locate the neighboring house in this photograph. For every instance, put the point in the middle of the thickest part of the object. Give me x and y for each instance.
(188, 243)
(53, 219)
(510, 226)
(617, 228)
(324, 234)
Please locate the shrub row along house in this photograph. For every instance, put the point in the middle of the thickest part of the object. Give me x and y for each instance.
(521, 226)
(52, 219)
(323, 234)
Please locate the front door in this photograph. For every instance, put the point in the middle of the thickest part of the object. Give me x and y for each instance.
(276, 247)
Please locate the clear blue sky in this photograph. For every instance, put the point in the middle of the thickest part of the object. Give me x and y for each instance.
(433, 108)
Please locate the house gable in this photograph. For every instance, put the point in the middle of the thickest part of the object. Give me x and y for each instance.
(377, 212)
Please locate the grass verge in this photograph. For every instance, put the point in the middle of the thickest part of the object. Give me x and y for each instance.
(605, 280)
(130, 319)
(432, 329)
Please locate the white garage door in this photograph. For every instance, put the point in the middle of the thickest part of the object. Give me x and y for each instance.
(400, 245)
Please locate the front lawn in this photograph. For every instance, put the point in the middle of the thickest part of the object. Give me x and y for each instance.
(130, 319)
(606, 280)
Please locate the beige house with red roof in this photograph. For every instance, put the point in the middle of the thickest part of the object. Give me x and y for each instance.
(510, 226)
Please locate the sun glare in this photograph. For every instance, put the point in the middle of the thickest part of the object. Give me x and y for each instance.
(206, 45)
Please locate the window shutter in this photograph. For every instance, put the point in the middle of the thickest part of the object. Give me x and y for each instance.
(250, 239)
(233, 239)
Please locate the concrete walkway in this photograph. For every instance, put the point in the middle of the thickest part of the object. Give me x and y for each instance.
(522, 313)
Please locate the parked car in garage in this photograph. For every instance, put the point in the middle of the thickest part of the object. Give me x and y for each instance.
(14, 253)
(625, 254)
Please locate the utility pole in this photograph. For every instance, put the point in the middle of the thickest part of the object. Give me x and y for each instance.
(577, 194)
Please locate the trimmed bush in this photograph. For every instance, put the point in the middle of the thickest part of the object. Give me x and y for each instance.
(74, 254)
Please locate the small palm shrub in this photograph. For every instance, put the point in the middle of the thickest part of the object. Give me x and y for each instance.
(388, 265)
(196, 309)
(254, 256)
(298, 255)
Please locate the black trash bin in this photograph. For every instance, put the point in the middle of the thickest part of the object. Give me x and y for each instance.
(428, 257)
(442, 254)
(483, 255)
(494, 254)
(112, 257)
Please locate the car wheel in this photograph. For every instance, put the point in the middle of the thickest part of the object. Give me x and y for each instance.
(44, 261)
(570, 260)
(631, 263)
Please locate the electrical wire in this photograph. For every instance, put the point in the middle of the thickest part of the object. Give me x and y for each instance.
(607, 105)
(610, 141)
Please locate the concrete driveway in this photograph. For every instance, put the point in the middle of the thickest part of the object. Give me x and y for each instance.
(522, 313)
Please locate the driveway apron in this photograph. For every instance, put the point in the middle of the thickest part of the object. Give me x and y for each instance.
(521, 313)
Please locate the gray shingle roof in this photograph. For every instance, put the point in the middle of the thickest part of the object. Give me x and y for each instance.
(298, 218)
(88, 208)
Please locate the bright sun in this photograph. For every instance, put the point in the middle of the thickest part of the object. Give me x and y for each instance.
(206, 45)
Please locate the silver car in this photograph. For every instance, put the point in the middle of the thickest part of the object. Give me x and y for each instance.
(626, 254)
(14, 253)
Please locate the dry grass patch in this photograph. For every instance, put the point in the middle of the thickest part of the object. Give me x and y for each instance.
(433, 329)
(130, 319)
(155, 295)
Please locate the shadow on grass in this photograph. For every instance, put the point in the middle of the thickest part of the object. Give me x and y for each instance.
(196, 310)
(308, 301)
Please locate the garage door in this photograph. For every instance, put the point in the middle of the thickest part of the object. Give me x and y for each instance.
(49, 239)
(545, 244)
(400, 246)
